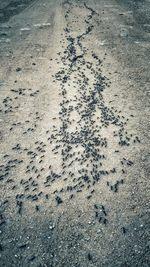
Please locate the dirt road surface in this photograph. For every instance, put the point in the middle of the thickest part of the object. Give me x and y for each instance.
(74, 105)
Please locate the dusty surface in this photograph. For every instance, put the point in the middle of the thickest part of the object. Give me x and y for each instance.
(74, 151)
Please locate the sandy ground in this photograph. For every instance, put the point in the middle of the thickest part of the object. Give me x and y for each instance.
(74, 108)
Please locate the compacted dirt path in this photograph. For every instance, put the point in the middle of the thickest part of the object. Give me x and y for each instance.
(74, 133)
